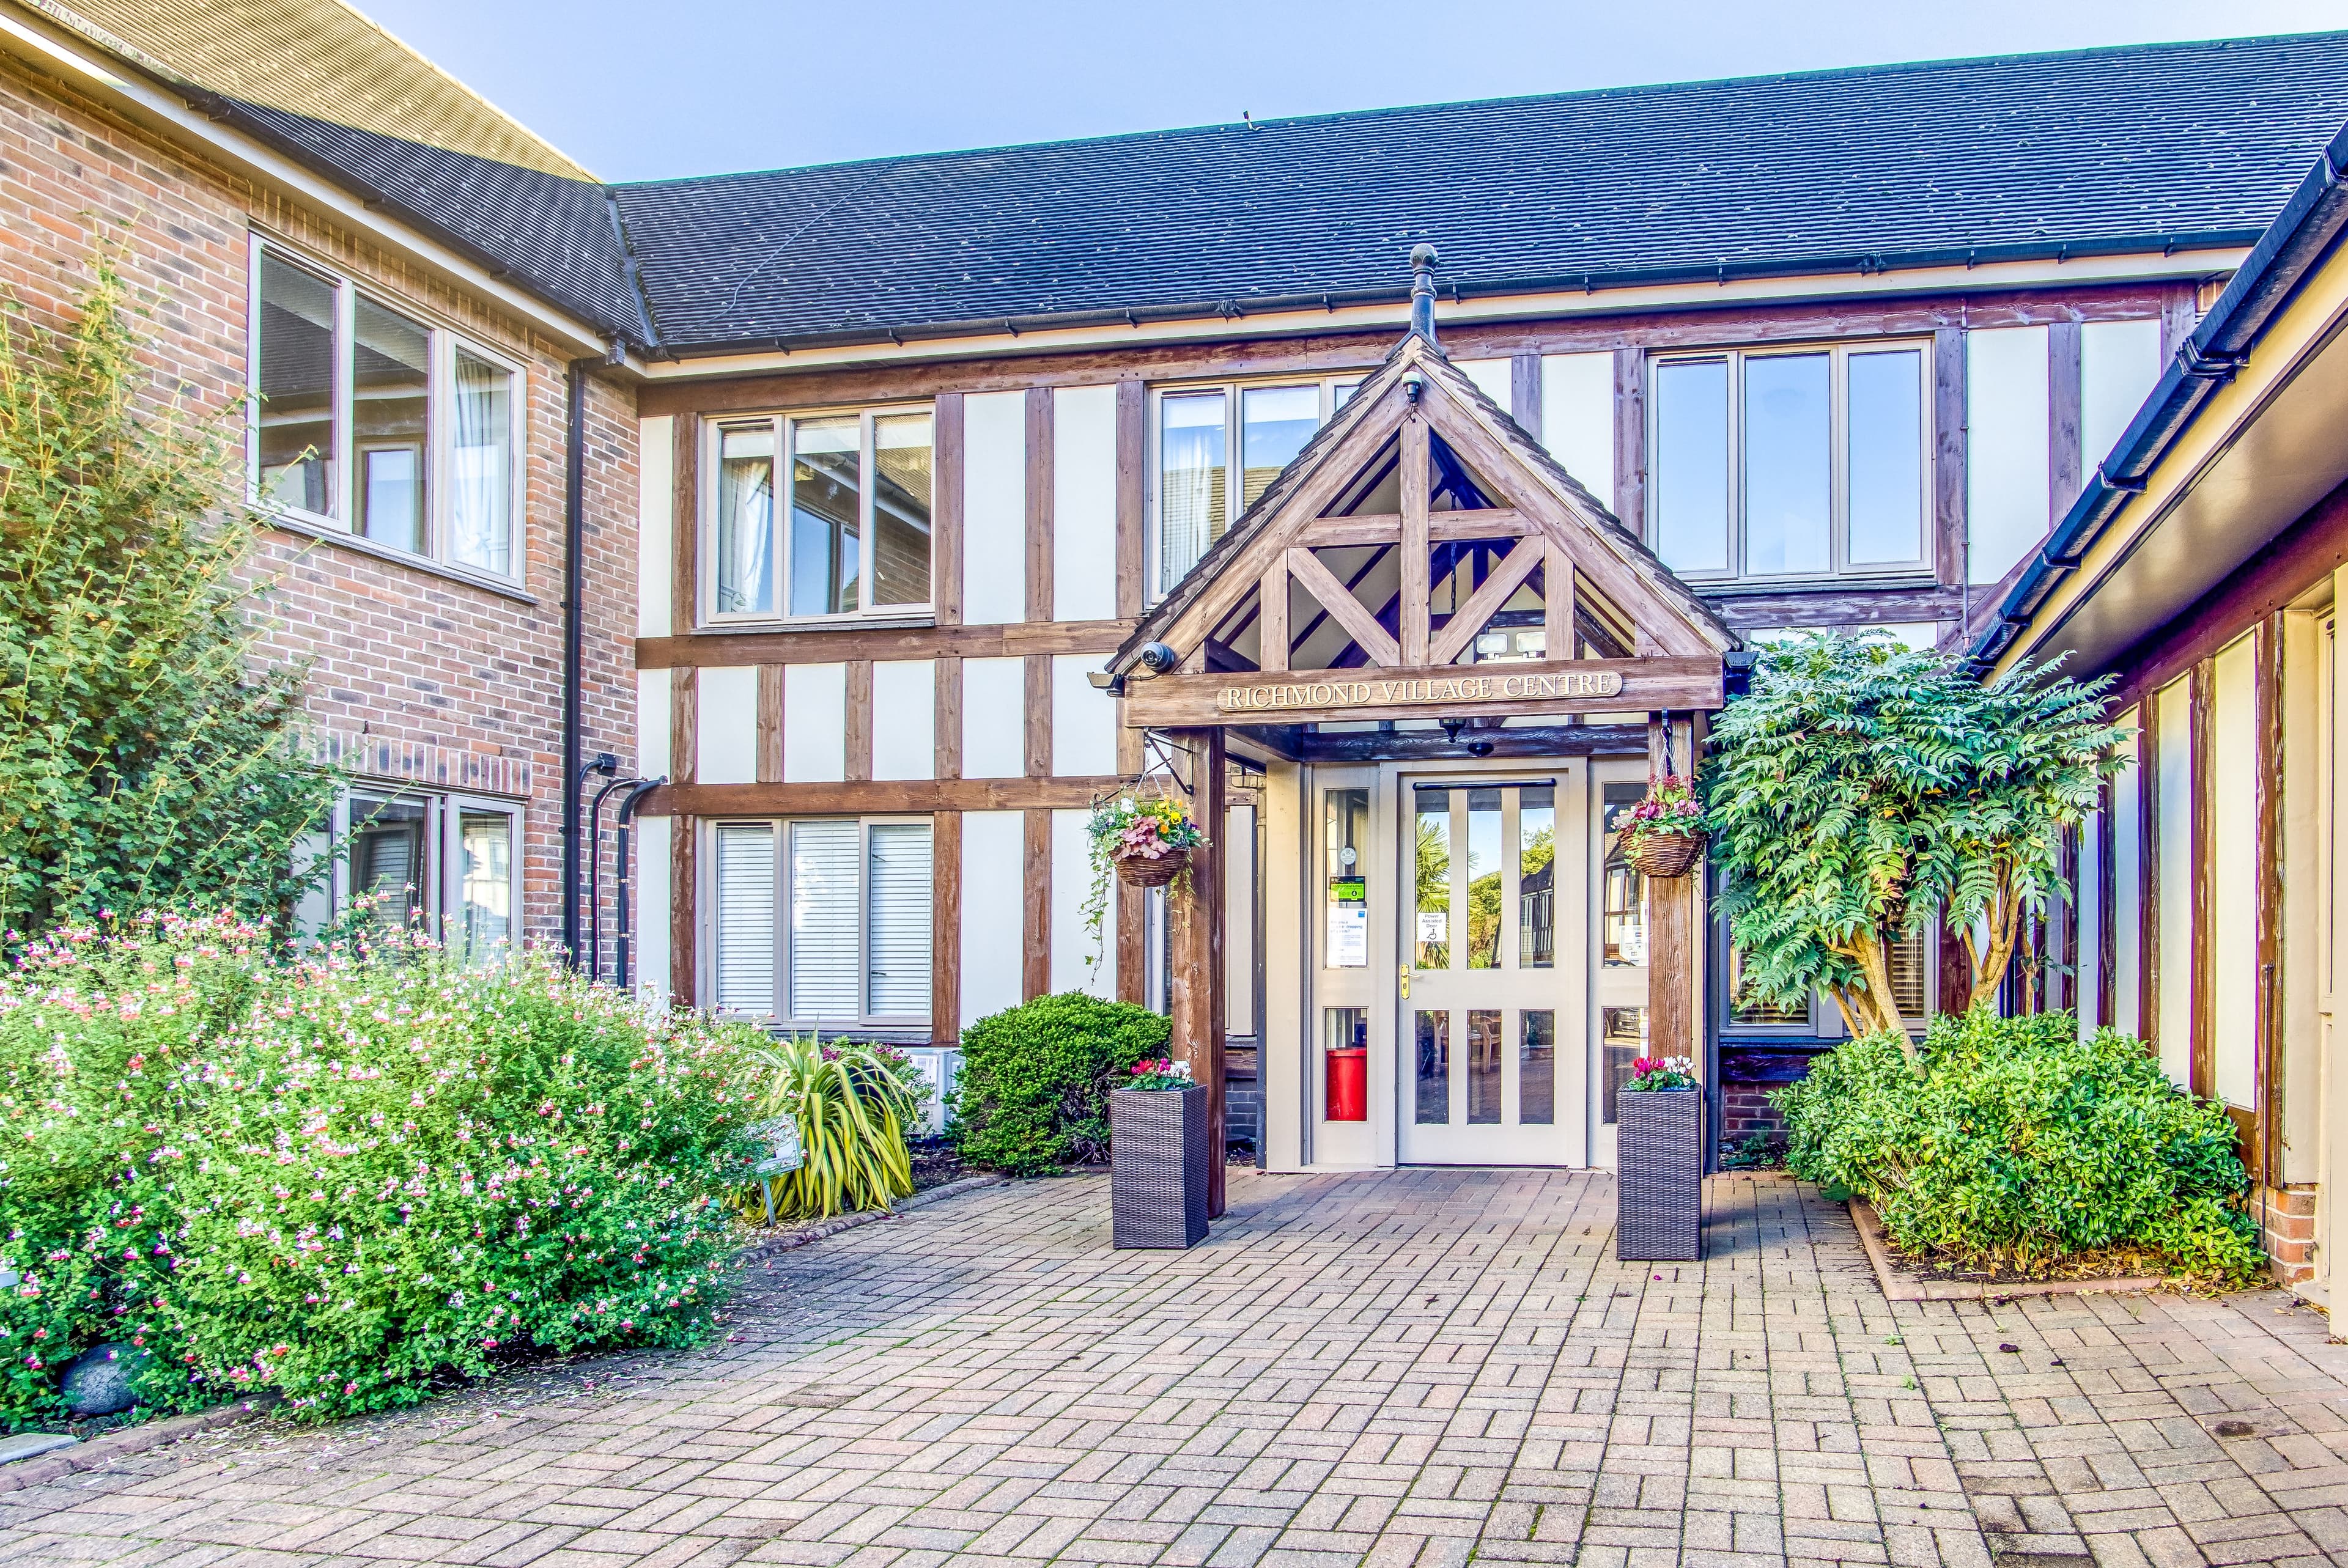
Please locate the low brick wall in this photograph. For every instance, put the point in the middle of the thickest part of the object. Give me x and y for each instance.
(2286, 1218)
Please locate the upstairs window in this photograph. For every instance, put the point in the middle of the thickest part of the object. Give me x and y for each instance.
(1791, 464)
(1217, 450)
(369, 421)
(821, 515)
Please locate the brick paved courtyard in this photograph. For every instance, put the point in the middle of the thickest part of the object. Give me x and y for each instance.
(1418, 1367)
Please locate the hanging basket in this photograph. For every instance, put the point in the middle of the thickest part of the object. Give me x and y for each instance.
(1137, 870)
(1667, 853)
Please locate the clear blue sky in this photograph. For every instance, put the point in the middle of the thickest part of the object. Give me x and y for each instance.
(639, 91)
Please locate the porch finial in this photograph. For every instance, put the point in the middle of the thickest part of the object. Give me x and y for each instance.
(1423, 258)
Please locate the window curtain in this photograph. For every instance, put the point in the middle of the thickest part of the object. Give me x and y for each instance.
(746, 917)
(824, 925)
(1193, 489)
(480, 500)
(746, 522)
(898, 906)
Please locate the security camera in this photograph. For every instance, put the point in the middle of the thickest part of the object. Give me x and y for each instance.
(1413, 384)
(1157, 658)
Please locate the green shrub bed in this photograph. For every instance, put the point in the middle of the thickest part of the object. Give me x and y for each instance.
(1033, 1095)
(345, 1180)
(2024, 1147)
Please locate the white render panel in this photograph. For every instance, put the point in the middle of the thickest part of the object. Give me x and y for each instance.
(725, 721)
(994, 718)
(2007, 492)
(653, 708)
(649, 954)
(1491, 376)
(905, 718)
(1083, 721)
(995, 506)
(1084, 503)
(2118, 364)
(993, 900)
(1578, 419)
(1074, 945)
(655, 524)
(815, 724)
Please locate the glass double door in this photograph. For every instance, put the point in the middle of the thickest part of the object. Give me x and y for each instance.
(1493, 1020)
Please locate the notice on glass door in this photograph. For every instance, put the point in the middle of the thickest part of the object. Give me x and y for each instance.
(1349, 938)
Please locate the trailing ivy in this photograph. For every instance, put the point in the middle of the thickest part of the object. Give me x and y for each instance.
(145, 759)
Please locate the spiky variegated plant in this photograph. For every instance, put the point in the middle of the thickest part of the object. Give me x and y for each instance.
(852, 1107)
(1863, 791)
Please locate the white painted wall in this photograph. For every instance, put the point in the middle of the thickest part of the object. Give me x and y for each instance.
(1578, 419)
(1084, 503)
(1074, 947)
(1083, 721)
(993, 847)
(726, 722)
(994, 718)
(653, 710)
(2118, 364)
(815, 724)
(1491, 375)
(905, 718)
(995, 506)
(656, 528)
(2006, 481)
(648, 922)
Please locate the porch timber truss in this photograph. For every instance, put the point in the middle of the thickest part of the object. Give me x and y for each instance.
(1421, 526)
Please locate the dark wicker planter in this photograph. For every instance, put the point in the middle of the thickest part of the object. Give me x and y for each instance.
(1158, 1166)
(1150, 871)
(1667, 854)
(1659, 1182)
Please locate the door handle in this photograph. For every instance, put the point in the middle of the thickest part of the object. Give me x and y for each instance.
(1405, 981)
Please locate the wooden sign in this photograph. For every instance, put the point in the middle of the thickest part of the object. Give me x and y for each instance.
(1491, 689)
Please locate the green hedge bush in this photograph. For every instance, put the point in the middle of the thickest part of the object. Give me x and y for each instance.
(2021, 1144)
(1033, 1095)
(345, 1180)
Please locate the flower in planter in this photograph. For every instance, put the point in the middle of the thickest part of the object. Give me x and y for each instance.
(1650, 1073)
(1670, 810)
(1130, 831)
(1164, 1073)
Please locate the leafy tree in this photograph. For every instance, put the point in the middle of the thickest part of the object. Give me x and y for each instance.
(1863, 791)
(145, 760)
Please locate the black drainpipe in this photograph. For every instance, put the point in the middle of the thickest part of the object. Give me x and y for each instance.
(574, 640)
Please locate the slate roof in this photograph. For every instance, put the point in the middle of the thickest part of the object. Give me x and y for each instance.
(558, 238)
(2093, 150)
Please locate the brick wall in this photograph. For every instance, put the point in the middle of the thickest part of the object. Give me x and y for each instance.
(2286, 1218)
(404, 662)
(1746, 1110)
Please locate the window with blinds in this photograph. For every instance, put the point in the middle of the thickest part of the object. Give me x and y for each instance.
(746, 917)
(897, 913)
(824, 937)
(842, 922)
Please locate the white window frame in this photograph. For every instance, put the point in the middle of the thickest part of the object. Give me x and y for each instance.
(1838, 459)
(787, 1015)
(440, 894)
(1153, 461)
(868, 538)
(439, 438)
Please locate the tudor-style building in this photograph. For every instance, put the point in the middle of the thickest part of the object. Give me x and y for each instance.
(920, 466)
(1861, 402)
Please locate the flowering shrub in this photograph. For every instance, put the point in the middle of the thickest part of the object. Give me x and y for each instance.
(345, 1178)
(1671, 810)
(1655, 1073)
(1163, 1073)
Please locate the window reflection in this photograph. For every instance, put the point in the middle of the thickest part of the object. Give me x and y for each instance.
(901, 501)
(1692, 465)
(1431, 894)
(825, 544)
(1432, 1101)
(1787, 509)
(1484, 879)
(1535, 889)
(1623, 908)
